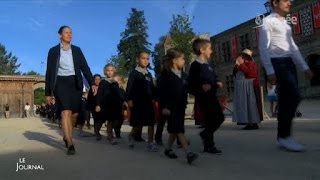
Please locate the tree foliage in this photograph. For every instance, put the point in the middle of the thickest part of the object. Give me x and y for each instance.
(158, 54)
(8, 63)
(39, 96)
(182, 34)
(32, 72)
(133, 39)
(119, 62)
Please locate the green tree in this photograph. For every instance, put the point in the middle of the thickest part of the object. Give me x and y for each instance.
(119, 62)
(158, 54)
(133, 39)
(8, 62)
(32, 72)
(182, 34)
(39, 96)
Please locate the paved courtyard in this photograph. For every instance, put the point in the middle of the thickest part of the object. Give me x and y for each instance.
(246, 155)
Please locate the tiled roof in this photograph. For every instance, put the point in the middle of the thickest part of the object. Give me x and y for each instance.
(21, 78)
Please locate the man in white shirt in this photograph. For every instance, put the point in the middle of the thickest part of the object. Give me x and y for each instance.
(280, 56)
(27, 110)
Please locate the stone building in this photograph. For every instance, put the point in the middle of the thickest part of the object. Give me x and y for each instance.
(228, 44)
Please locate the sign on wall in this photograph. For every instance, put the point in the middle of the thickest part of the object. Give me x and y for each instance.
(296, 26)
(316, 14)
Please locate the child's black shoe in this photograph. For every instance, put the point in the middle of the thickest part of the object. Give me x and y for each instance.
(212, 150)
(191, 157)
(169, 153)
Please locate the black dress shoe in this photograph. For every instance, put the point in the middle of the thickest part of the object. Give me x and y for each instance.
(191, 157)
(251, 127)
(248, 127)
(140, 140)
(254, 127)
(212, 150)
(71, 150)
(65, 141)
(170, 154)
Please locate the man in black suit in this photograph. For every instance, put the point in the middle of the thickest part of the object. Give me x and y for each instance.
(65, 64)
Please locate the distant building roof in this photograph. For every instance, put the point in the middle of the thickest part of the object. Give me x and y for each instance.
(168, 39)
(21, 78)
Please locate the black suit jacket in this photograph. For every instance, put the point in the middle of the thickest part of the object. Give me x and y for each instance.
(109, 95)
(80, 65)
(200, 74)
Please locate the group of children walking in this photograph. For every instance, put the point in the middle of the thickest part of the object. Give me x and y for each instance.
(107, 100)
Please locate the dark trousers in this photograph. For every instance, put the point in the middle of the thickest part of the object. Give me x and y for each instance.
(288, 94)
(213, 116)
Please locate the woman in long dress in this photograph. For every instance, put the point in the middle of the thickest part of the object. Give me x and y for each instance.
(246, 96)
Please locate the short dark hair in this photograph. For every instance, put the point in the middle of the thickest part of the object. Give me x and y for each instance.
(272, 1)
(96, 75)
(167, 60)
(198, 44)
(62, 28)
(109, 65)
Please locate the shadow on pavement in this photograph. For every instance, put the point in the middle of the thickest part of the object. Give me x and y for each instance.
(44, 138)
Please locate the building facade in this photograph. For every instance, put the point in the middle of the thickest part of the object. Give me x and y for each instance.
(16, 91)
(228, 44)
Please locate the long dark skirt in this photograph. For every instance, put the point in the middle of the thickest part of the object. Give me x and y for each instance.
(68, 96)
(113, 113)
(176, 121)
(142, 114)
(99, 117)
